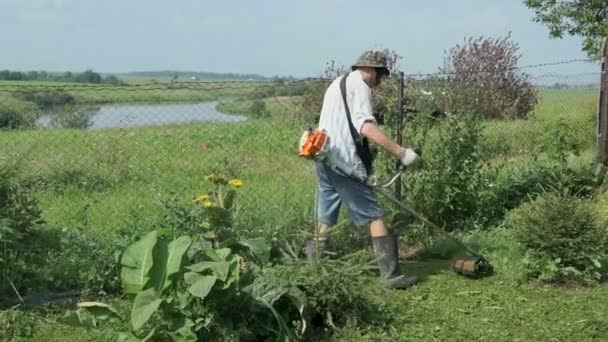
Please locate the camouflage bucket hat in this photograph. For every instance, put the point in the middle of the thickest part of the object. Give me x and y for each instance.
(373, 59)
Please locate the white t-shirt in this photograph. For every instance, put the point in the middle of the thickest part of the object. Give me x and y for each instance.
(333, 119)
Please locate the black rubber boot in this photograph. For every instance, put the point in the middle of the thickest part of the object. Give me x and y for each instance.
(387, 252)
(310, 249)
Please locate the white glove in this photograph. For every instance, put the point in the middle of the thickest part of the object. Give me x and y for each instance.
(408, 157)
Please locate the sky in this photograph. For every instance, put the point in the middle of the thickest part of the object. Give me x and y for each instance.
(267, 37)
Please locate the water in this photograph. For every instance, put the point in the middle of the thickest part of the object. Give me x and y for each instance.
(122, 116)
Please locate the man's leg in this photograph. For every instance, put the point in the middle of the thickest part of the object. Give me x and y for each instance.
(323, 231)
(328, 209)
(377, 228)
(363, 205)
(387, 251)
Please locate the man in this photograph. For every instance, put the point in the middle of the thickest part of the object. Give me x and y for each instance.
(342, 181)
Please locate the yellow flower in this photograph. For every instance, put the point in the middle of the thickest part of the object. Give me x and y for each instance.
(237, 183)
(200, 198)
(208, 204)
(210, 178)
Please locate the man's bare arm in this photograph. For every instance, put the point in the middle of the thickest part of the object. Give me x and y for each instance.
(373, 133)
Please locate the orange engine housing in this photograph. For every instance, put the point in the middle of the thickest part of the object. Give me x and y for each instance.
(312, 142)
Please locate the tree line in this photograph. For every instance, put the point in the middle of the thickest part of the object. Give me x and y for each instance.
(87, 76)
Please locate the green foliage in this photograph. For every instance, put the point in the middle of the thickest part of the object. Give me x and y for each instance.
(211, 214)
(559, 140)
(37, 257)
(460, 190)
(10, 118)
(72, 116)
(442, 187)
(136, 263)
(504, 185)
(49, 98)
(258, 108)
(61, 107)
(83, 262)
(576, 18)
(16, 323)
(178, 286)
(214, 285)
(22, 242)
(331, 295)
(17, 114)
(561, 238)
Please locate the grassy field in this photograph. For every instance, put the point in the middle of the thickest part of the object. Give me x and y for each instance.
(114, 180)
(124, 174)
(136, 93)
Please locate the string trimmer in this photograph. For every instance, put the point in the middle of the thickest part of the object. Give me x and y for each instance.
(475, 266)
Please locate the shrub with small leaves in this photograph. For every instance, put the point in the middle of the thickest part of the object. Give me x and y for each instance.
(442, 186)
(561, 238)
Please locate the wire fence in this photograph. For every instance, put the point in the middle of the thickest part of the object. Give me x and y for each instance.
(114, 156)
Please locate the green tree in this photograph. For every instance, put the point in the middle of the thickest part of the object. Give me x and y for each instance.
(585, 18)
(89, 76)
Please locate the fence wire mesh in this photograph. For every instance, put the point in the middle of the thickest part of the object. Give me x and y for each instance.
(112, 155)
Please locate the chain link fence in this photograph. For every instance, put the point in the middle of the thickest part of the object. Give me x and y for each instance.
(113, 156)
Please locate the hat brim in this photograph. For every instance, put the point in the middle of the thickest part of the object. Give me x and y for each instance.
(384, 70)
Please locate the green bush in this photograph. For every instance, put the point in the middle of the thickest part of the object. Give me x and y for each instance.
(73, 116)
(35, 257)
(49, 98)
(505, 185)
(442, 185)
(23, 243)
(258, 109)
(11, 119)
(561, 238)
(16, 114)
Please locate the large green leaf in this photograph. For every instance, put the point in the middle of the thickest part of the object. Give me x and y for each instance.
(184, 331)
(220, 269)
(202, 286)
(258, 246)
(129, 337)
(191, 277)
(167, 261)
(136, 263)
(221, 254)
(100, 310)
(79, 318)
(144, 306)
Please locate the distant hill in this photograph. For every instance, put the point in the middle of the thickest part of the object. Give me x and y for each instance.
(193, 75)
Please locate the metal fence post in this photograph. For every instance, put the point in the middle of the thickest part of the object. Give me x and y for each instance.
(399, 133)
(602, 119)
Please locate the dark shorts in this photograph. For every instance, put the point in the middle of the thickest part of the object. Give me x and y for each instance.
(360, 199)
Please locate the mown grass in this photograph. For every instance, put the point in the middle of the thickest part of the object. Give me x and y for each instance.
(115, 179)
(448, 307)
